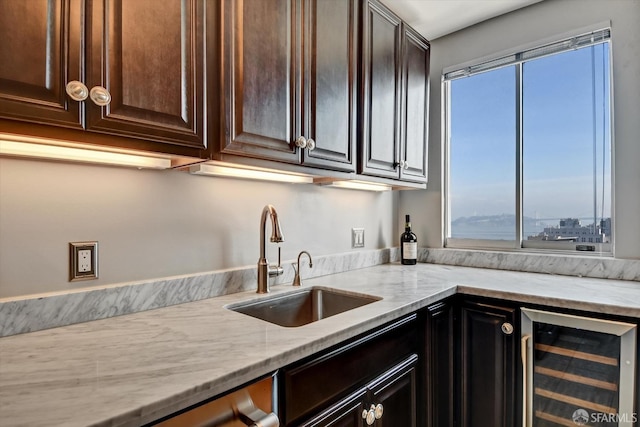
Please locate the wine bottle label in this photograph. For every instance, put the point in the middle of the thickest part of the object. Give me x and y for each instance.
(410, 250)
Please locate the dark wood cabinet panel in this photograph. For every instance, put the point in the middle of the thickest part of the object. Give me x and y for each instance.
(346, 413)
(151, 60)
(415, 111)
(39, 53)
(330, 77)
(395, 97)
(261, 74)
(381, 35)
(312, 385)
(439, 365)
(396, 392)
(295, 76)
(488, 365)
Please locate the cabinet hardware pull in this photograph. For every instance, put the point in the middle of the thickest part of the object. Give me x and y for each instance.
(405, 165)
(370, 415)
(507, 328)
(301, 142)
(311, 144)
(77, 90)
(379, 410)
(524, 348)
(100, 96)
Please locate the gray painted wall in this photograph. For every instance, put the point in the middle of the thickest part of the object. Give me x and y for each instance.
(522, 27)
(152, 224)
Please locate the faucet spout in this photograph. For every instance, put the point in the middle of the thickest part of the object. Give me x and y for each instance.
(296, 280)
(264, 270)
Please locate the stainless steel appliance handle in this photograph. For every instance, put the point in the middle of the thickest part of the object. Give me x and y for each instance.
(255, 417)
(525, 374)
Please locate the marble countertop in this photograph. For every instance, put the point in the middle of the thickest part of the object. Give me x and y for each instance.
(133, 369)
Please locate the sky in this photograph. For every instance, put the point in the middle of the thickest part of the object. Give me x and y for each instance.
(558, 138)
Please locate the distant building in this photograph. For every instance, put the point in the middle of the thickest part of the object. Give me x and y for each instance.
(570, 230)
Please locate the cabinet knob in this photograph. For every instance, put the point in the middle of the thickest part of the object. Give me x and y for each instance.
(507, 328)
(378, 411)
(311, 144)
(100, 96)
(301, 142)
(77, 90)
(369, 416)
(402, 165)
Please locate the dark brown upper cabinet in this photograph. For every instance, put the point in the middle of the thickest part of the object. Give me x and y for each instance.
(395, 97)
(139, 64)
(40, 52)
(290, 73)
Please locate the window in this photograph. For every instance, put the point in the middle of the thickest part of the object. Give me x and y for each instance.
(529, 148)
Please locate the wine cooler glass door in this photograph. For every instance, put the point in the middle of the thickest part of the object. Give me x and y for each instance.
(577, 370)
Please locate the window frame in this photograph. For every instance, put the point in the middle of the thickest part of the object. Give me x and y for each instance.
(514, 57)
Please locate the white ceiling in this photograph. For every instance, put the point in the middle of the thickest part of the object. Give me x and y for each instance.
(436, 18)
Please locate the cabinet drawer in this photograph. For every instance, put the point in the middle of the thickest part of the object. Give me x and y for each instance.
(315, 383)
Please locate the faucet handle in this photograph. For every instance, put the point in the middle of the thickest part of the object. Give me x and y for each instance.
(276, 270)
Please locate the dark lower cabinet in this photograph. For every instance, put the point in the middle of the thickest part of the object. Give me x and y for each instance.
(345, 413)
(489, 335)
(338, 386)
(439, 365)
(395, 394)
(389, 400)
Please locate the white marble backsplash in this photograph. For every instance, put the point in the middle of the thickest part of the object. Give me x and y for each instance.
(567, 265)
(34, 313)
(37, 312)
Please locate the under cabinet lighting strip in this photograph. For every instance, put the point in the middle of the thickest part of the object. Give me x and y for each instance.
(245, 173)
(54, 152)
(358, 185)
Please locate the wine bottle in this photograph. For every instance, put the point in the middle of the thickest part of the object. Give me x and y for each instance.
(408, 244)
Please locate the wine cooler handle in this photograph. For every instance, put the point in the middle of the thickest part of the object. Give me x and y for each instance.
(525, 372)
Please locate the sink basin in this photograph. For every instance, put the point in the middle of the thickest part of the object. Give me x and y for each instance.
(303, 307)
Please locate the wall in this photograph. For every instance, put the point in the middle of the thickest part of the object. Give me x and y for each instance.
(152, 224)
(522, 27)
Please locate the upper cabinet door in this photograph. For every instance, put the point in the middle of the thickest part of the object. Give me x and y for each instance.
(39, 55)
(415, 112)
(330, 76)
(381, 92)
(261, 77)
(149, 56)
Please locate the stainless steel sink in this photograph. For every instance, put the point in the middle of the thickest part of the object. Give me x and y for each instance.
(303, 307)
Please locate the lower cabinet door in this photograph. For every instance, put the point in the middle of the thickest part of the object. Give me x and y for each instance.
(392, 396)
(488, 368)
(345, 413)
(389, 400)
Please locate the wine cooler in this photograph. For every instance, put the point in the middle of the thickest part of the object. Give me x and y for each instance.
(577, 371)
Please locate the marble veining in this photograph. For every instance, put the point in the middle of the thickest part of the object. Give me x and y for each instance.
(29, 314)
(572, 265)
(133, 369)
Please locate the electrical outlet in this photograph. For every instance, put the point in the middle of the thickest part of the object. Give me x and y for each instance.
(83, 261)
(357, 237)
